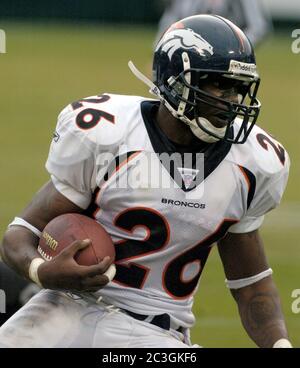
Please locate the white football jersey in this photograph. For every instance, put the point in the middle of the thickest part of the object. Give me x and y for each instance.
(163, 217)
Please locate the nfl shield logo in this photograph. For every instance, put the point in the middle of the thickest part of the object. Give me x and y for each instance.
(188, 176)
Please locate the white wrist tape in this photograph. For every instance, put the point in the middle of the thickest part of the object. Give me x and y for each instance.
(111, 272)
(237, 284)
(282, 343)
(18, 221)
(33, 270)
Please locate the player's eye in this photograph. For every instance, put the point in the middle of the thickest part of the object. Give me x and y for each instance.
(226, 83)
(222, 83)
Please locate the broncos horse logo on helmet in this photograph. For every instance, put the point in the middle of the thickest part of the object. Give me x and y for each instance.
(185, 38)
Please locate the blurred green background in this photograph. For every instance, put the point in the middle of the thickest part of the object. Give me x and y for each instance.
(47, 66)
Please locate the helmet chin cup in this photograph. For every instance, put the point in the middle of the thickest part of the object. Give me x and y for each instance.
(201, 134)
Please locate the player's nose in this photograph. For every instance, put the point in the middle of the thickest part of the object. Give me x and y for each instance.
(231, 96)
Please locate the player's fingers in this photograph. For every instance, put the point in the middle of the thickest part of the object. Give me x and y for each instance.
(77, 245)
(98, 269)
(95, 282)
(99, 281)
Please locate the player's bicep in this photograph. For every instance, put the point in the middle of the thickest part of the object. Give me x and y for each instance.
(71, 159)
(47, 204)
(242, 255)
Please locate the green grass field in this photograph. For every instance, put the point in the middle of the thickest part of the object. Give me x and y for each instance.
(46, 67)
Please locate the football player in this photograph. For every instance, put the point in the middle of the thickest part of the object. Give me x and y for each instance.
(205, 82)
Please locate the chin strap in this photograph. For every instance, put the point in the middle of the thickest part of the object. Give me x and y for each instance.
(154, 90)
(179, 114)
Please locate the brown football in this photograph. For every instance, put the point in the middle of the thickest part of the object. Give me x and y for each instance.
(65, 229)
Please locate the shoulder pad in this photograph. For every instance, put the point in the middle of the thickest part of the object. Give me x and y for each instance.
(262, 154)
(101, 120)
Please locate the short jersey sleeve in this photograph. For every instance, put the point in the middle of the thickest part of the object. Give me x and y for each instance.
(71, 160)
(268, 194)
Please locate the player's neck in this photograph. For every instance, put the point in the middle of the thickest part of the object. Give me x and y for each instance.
(174, 129)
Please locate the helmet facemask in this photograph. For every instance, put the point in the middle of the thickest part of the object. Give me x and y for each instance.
(201, 103)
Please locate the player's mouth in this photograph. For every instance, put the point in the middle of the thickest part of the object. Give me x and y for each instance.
(222, 118)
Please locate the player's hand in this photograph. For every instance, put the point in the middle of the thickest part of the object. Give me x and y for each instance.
(64, 273)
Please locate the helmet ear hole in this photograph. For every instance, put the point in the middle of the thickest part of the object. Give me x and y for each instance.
(176, 85)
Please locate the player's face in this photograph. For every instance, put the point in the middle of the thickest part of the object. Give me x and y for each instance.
(217, 112)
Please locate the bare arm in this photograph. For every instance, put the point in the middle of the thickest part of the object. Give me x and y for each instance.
(259, 304)
(19, 246)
